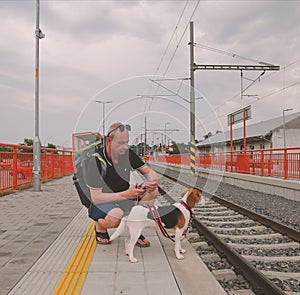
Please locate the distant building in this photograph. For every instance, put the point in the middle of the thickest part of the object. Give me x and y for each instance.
(262, 135)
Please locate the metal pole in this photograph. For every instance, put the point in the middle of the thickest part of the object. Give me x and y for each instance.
(36, 142)
(283, 118)
(242, 88)
(103, 113)
(231, 144)
(245, 140)
(192, 102)
(103, 120)
(166, 137)
(145, 147)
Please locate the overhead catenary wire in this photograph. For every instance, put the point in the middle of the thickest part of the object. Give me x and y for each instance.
(234, 55)
(259, 99)
(261, 78)
(176, 48)
(171, 38)
(182, 35)
(254, 102)
(147, 108)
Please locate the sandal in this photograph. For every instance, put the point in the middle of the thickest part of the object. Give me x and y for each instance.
(103, 236)
(144, 243)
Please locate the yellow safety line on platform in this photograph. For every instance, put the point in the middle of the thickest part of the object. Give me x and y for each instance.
(74, 275)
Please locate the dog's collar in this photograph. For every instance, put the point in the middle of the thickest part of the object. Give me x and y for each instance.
(186, 205)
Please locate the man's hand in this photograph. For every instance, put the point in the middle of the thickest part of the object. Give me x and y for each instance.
(134, 192)
(150, 186)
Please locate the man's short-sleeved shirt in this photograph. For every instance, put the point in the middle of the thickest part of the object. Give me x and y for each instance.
(117, 176)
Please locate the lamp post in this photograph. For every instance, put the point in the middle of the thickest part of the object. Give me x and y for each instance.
(166, 136)
(283, 118)
(103, 113)
(36, 142)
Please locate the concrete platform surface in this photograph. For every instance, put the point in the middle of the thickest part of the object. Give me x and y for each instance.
(55, 219)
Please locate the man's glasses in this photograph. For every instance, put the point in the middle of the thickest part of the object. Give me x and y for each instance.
(121, 128)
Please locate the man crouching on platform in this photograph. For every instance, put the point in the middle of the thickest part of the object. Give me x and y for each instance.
(112, 195)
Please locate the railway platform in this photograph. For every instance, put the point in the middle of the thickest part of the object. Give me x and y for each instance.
(47, 246)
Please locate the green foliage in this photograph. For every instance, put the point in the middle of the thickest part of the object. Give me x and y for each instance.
(51, 146)
(27, 142)
(5, 149)
(179, 148)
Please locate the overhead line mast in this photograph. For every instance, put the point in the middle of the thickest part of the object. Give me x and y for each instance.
(193, 68)
(192, 103)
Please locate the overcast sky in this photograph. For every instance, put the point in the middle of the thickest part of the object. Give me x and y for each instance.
(113, 50)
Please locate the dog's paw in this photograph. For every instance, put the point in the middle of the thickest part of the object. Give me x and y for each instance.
(180, 257)
(182, 251)
(133, 260)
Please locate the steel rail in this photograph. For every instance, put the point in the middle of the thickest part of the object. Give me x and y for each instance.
(263, 284)
(277, 226)
(254, 276)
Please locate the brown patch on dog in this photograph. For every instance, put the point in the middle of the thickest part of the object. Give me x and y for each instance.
(181, 221)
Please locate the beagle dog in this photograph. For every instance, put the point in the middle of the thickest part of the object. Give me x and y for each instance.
(175, 217)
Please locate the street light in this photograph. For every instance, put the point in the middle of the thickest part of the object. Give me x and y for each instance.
(36, 142)
(103, 113)
(283, 118)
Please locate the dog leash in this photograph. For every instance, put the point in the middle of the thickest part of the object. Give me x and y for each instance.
(153, 211)
(191, 215)
(155, 215)
(187, 207)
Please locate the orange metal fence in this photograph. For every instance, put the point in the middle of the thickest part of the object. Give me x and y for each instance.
(17, 162)
(283, 163)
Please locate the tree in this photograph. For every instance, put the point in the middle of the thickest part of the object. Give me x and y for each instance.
(5, 149)
(27, 142)
(51, 146)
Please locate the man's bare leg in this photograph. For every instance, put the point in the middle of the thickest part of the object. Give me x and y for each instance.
(111, 220)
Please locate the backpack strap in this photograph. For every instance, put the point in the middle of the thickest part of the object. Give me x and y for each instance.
(103, 164)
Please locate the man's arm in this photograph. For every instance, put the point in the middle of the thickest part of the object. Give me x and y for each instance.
(151, 185)
(149, 173)
(98, 197)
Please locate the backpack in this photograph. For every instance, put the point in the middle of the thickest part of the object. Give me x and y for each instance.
(81, 159)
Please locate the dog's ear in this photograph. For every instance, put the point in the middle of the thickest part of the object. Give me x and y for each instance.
(194, 197)
(182, 194)
(199, 192)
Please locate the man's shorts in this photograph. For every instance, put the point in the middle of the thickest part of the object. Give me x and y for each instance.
(100, 211)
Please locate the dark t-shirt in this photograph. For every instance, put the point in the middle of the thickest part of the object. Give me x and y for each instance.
(117, 175)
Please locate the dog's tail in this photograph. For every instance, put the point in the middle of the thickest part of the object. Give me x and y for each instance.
(119, 229)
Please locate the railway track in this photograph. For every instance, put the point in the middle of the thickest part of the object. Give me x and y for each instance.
(264, 252)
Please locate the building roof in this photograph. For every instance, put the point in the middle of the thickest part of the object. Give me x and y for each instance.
(259, 129)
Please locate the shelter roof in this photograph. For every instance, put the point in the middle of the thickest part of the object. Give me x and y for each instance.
(260, 129)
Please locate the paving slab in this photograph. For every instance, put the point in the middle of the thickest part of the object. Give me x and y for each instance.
(35, 253)
(30, 222)
(192, 275)
(112, 273)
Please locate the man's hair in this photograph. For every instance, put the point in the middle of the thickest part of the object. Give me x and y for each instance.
(113, 128)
